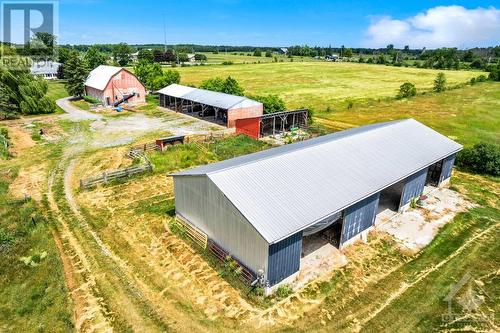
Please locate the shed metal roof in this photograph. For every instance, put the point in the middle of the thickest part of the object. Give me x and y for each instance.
(100, 76)
(284, 190)
(207, 97)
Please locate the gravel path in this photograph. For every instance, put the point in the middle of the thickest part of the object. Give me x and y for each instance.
(73, 112)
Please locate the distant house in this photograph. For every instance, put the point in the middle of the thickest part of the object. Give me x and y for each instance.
(191, 57)
(283, 50)
(46, 69)
(332, 57)
(114, 85)
(134, 56)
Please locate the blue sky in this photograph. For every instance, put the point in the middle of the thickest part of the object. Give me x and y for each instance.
(281, 23)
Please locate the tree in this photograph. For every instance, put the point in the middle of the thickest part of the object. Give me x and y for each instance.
(121, 53)
(232, 87)
(381, 59)
(159, 56)
(41, 44)
(22, 93)
(169, 56)
(272, 103)
(167, 78)
(348, 53)
(147, 73)
(200, 57)
(257, 53)
(482, 158)
(145, 55)
(228, 85)
(63, 54)
(183, 57)
(214, 84)
(406, 90)
(439, 82)
(269, 54)
(76, 74)
(94, 58)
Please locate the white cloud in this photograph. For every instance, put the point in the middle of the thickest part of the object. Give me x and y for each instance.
(443, 26)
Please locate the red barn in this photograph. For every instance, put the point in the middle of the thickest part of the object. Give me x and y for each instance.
(112, 85)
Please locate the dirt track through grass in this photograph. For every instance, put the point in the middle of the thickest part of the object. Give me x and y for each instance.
(422, 275)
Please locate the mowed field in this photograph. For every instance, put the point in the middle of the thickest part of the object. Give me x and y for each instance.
(322, 84)
(468, 115)
(244, 57)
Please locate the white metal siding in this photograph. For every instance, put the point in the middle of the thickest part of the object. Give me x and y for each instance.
(199, 201)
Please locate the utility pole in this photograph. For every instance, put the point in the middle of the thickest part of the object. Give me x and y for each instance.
(164, 33)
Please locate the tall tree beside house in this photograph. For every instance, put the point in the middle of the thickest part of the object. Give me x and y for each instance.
(348, 53)
(121, 53)
(76, 73)
(94, 58)
(22, 93)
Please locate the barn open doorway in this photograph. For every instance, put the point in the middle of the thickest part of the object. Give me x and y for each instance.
(434, 173)
(331, 236)
(390, 198)
(320, 252)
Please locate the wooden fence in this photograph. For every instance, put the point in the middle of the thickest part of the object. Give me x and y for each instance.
(106, 177)
(196, 235)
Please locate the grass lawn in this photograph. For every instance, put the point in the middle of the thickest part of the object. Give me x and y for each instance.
(322, 84)
(33, 292)
(81, 104)
(56, 91)
(468, 115)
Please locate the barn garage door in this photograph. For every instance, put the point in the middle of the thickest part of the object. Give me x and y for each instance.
(359, 217)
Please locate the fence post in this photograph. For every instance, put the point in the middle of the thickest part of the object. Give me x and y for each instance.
(105, 176)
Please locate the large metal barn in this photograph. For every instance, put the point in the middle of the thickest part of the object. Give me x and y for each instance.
(259, 207)
(209, 105)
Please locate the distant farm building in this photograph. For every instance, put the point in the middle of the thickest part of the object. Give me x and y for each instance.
(46, 69)
(213, 106)
(263, 208)
(283, 50)
(332, 57)
(114, 85)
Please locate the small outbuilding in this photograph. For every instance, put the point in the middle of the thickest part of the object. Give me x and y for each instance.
(114, 85)
(263, 207)
(213, 106)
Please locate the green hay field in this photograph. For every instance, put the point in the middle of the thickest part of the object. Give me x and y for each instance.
(468, 115)
(322, 84)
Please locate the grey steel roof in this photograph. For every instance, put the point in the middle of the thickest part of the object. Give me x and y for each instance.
(207, 97)
(284, 190)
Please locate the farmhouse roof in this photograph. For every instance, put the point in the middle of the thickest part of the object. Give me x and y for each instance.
(284, 190)
(44, 67)
(207, 97)
(100, 76)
